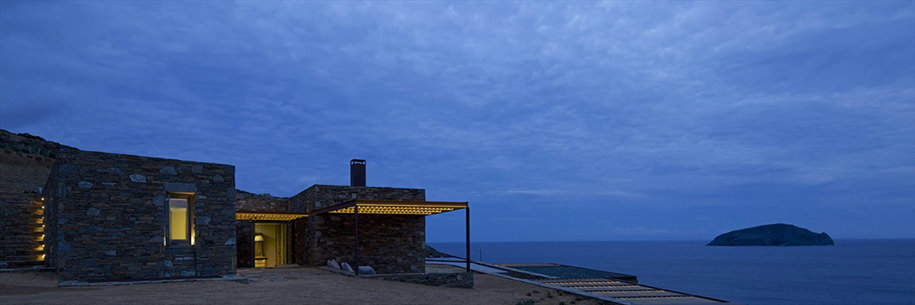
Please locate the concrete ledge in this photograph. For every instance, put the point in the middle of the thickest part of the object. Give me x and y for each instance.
(453, 280)
(235, 278)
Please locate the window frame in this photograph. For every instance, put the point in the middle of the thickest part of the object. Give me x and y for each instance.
(191, 226)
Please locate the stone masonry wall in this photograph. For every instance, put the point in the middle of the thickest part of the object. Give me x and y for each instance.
(388, 243)
(21, 218)
(106, 217)
(25, 162)
(245, 201)
(244, 237)
(317, 197)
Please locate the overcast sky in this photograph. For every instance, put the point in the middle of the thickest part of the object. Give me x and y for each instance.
(556, 121)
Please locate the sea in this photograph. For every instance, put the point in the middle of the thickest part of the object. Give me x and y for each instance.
(872, 271)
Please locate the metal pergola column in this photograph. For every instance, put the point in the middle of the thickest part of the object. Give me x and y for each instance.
(467, 241)
(356, 239)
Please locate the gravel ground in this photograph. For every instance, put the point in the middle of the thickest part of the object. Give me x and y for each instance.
(297, 285)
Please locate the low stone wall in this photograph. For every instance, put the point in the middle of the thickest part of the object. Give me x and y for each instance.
(453, 280)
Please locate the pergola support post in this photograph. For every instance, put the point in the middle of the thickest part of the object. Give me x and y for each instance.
(356, 239)
(467, 228)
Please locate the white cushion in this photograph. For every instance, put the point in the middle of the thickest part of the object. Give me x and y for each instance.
(346, 267)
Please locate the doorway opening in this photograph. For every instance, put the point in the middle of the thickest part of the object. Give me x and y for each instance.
(270, 244)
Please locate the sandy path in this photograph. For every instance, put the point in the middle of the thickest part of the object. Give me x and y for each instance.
(277, 286)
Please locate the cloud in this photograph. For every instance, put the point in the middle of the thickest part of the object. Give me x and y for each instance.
(634, 103)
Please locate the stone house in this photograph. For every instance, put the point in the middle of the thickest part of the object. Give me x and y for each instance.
(122, 217)
(380, 227)
(94, 216)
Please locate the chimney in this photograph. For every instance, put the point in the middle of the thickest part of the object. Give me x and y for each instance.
(357, 172)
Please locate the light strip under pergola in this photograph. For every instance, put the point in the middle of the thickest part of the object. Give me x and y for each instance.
(385, 207)
(268, 216)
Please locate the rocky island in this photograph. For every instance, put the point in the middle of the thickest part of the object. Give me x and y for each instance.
(772, 235)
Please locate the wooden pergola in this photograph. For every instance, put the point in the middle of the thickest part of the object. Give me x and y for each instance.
(268, 216)
(392, 207)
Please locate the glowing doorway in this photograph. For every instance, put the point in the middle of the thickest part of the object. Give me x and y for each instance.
(270, 245)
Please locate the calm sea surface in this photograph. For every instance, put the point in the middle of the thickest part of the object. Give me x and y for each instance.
(851, 272)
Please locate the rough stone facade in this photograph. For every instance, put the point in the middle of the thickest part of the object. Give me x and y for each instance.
(106, 217)
(22, 238)
(244, 237)
(245, 201)
(388, 243)
(102, 217)
(25, 162)
(318, 197)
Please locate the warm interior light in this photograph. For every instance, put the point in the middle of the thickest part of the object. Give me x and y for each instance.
(177, 216)
(260, 260)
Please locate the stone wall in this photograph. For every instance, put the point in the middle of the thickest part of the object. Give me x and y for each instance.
(317, 197)
(25, 162)
(21, 219)
(388, 243)
(244, 237)
(245, 201)
(106, 217)
(300, 243)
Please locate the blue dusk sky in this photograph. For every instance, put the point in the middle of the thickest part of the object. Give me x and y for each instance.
(555, 120)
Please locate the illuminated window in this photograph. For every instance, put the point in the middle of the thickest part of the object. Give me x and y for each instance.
(180, 219)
